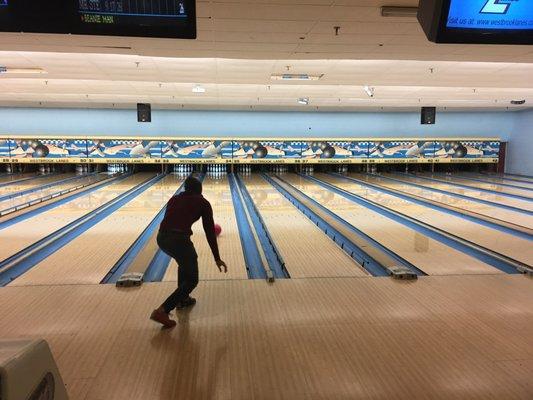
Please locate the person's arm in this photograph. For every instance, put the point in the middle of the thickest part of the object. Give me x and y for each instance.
(209, 229)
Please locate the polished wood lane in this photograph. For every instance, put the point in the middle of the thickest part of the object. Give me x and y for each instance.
(41, 193)
(509, 245)
(217, 191)
(497, 179)
(442, 338)
(306, 250)
(92, 254)
(19, 236)
(514, 217)
(6, 178)
(429, 255)
(32, 183)
(522, 204)
(493, 186)
(521, 177)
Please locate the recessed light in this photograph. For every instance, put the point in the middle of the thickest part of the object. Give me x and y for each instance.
(9, 70)
(518, 102)
(303, 100)
(198, 89)
(295, 77)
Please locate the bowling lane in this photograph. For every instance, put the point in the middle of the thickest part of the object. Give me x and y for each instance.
(217, 191)
(519, 177)
(497, 180)
(514, 217)
(32, 183)
(429, 255)
(475, 194)
(512, 246)
(93, 253)
(306, 250)
(482, 185)
(19, 236)
(39, 194)
(7, 178)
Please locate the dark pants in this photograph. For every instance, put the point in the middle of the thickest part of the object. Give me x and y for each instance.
(180, 248)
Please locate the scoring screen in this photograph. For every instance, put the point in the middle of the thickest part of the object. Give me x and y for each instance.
(146, 18)
(154, 12)
(491, 14)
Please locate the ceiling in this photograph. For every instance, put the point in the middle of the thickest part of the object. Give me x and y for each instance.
(242, 42)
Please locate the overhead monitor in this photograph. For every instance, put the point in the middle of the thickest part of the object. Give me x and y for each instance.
(142, 18)
(477, 21)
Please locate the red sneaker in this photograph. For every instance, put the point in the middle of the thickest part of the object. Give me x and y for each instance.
(162, 318)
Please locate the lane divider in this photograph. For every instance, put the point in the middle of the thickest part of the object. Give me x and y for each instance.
(494, 223)
(466, 178)
(27, 179)
(461, 196)
(497, 260)
(371, 255)
(272, 254)
(53, 195)
(254, 259)
(19, 263)
(469, 187)
(499, 176)
(46, 186)
(91, 188)
(519, 175)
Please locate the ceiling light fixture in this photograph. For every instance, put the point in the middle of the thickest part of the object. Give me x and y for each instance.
(369, 90)
(295, 77)
(8, 70)
(303, 100)
(198, 89)
(402, 12)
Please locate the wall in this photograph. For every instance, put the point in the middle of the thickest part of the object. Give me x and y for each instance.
(520, 148)
(248, 124)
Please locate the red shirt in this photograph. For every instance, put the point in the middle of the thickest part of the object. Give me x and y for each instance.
(184, 210)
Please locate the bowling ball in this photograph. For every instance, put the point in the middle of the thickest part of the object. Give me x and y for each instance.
(261, 152)
(328, 152)
(218, 229)
(40, 151)
(460, 151)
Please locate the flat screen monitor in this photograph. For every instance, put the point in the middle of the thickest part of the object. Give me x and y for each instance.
(141, 18)
(477, 21)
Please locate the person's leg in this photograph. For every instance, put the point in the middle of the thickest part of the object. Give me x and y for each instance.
(173, 245)
(187, 260)
(188, 282)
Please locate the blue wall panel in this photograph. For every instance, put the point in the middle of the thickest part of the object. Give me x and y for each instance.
(519, 159)
(236, 124)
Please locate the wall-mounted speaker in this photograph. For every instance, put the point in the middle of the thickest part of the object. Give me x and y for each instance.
(427, 115)
(144, 112)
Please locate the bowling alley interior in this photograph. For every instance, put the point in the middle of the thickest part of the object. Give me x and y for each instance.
(369, 169)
